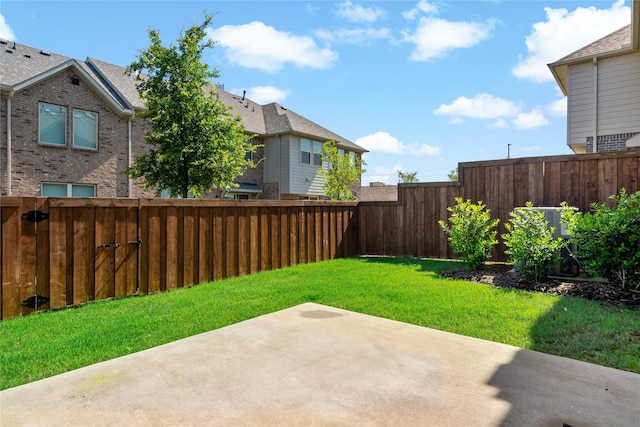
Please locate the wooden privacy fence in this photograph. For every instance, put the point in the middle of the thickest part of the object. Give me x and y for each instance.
(409, 227)
(71, 251)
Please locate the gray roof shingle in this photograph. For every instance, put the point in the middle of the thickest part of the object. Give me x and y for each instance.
(279, 120)
(19, 63)
(617, 40)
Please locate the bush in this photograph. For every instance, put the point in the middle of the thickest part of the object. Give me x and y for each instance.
(530, 243)
(472, 233)
(608, 239)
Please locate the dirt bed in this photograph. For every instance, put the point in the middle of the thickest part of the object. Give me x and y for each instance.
(589, 289)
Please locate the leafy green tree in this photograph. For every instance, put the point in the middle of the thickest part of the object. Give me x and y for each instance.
(530, 243)
(341, 172)
(196, 143)
(472, 232)
(407, 177)
(453, 174)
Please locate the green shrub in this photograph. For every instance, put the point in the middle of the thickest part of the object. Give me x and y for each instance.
(472, 233)
(608, 239)
(530, 243)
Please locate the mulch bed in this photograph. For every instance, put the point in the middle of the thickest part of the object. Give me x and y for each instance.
(502, 276)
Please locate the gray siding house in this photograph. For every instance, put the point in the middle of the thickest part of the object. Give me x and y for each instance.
(68, 127)
(602, 85)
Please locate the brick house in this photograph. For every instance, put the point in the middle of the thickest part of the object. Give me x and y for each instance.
(602, 85)
(68, 127)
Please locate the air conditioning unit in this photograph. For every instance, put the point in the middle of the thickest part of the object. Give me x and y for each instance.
(565, 266)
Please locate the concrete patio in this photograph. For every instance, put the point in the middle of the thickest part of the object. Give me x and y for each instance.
(316, 365)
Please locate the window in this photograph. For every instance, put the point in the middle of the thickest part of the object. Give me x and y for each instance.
(317, 156)
(55, 189)
(85, 129)
(236, 196)
(305, 151)
(52, 123)
(308, 147)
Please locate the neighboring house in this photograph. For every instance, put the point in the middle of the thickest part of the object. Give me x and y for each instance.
(602, 85)
(379, 192)
(68, 128)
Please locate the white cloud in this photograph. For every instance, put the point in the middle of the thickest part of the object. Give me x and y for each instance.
(488, 107)
(382, 174)
(5, 30)
(256, 45)
(383, 142)
(264, 94)
(354, 36)
(565, 32)
(482, 106)
(422, 7)
(500, 124)
(357, 13)
(434, 37)
(531, 120)
(558, 107)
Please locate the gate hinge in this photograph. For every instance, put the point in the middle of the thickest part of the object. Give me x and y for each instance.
(35, 216)
(35, 301)
(136, 242)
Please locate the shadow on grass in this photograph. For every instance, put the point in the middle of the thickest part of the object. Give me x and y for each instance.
(430, 265)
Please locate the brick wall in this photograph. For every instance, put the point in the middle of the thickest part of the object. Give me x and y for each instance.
(33, 163)
(606, 143)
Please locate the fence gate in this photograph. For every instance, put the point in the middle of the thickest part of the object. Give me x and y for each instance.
(94, 249)
(24, 236)
(59, 252)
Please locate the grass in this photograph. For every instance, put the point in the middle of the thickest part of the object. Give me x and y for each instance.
(408, 290)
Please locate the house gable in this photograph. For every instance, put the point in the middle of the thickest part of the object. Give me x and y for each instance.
(23, 66)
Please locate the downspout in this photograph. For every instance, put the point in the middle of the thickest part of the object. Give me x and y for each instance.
(9, 143)
(279, 167)
(129, 156)
(595, 104)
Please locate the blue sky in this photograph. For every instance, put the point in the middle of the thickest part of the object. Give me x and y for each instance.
(423, 85)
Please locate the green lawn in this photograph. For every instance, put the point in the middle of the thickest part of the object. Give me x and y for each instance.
(408, 290)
